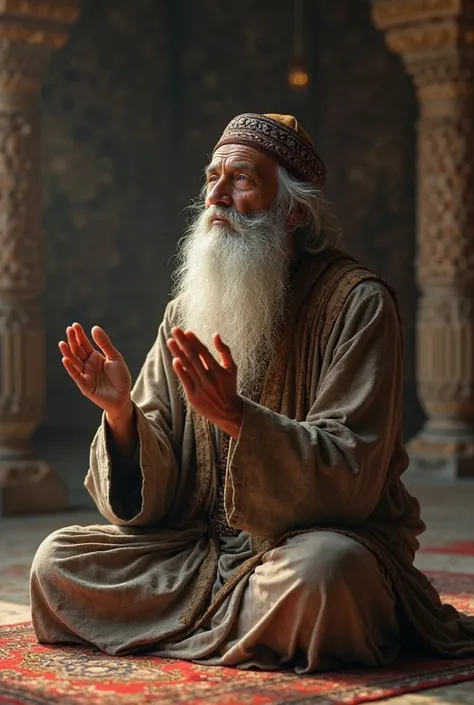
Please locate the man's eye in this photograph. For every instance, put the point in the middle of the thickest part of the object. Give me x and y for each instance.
(211, 178)
(242, 177)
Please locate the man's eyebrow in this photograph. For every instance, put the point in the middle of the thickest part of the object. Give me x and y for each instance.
(245, 166)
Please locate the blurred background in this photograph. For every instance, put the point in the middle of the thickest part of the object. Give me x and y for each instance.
(132, 107)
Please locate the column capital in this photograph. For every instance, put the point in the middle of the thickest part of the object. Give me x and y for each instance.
(30, 30)
(38, 22)
(435, 39)
(429, 34)
(399, 15)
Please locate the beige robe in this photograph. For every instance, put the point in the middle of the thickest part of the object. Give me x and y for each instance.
(322, 451)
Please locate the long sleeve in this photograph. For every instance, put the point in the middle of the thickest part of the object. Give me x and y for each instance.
(141, 492)
(331, 468)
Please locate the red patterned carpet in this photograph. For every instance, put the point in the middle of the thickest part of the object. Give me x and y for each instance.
(34, 675)
(461, 548)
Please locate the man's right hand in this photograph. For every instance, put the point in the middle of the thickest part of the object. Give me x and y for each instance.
(103, 377)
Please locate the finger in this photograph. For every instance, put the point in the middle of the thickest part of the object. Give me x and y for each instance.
(72, 340)
(101, 338)
(225, 354)
(65, 349)
(179, 354)
(207, 358)
(82, 338)
(67, 353)
(196, 355)
(73, 372)
(186, 380)
(189, 356)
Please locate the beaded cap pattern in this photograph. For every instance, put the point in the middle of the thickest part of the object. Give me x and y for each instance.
(274, 137)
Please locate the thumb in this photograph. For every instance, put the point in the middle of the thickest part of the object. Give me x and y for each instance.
(102, 340)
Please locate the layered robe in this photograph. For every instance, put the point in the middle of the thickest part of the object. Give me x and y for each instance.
(320, 451)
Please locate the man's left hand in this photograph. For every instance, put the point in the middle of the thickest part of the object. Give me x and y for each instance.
(210, 386)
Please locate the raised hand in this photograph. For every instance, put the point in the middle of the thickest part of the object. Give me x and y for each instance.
(210, 386)
(103, 377)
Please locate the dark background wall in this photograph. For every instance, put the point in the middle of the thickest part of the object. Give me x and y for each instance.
(132, 107)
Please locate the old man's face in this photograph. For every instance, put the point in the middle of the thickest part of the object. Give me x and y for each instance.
(241, 177)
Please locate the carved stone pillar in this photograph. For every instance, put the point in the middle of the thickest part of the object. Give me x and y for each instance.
(435, 39)
(29, 31)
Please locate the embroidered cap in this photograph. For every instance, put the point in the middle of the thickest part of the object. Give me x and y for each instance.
(282, 138)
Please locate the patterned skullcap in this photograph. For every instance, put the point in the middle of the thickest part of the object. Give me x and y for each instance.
(282, 138)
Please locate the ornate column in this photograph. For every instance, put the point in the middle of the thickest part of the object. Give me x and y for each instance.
(435, 39)
(29, 32)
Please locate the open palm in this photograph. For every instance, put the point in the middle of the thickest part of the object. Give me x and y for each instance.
(103, 377)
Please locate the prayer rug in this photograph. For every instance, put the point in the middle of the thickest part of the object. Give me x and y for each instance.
(35, 675)
(461, 548)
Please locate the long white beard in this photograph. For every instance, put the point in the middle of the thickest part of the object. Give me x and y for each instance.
(233, 280)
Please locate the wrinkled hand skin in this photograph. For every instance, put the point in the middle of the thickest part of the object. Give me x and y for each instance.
(210, 386)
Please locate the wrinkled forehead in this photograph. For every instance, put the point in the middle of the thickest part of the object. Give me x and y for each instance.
(246, 158)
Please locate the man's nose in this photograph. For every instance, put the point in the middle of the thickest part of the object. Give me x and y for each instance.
(219, 194)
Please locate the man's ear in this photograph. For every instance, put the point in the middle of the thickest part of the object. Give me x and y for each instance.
(295, 218)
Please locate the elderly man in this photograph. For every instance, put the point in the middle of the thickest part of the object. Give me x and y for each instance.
(251, 478)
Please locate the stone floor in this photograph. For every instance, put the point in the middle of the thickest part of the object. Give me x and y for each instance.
(448, 511)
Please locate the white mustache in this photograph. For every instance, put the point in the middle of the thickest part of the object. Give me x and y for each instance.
(231, 216)
(243, 224)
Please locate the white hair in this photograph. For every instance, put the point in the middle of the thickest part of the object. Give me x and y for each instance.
(320, 229)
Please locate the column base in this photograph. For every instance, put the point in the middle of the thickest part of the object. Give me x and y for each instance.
(30, 486)
(441, 459)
